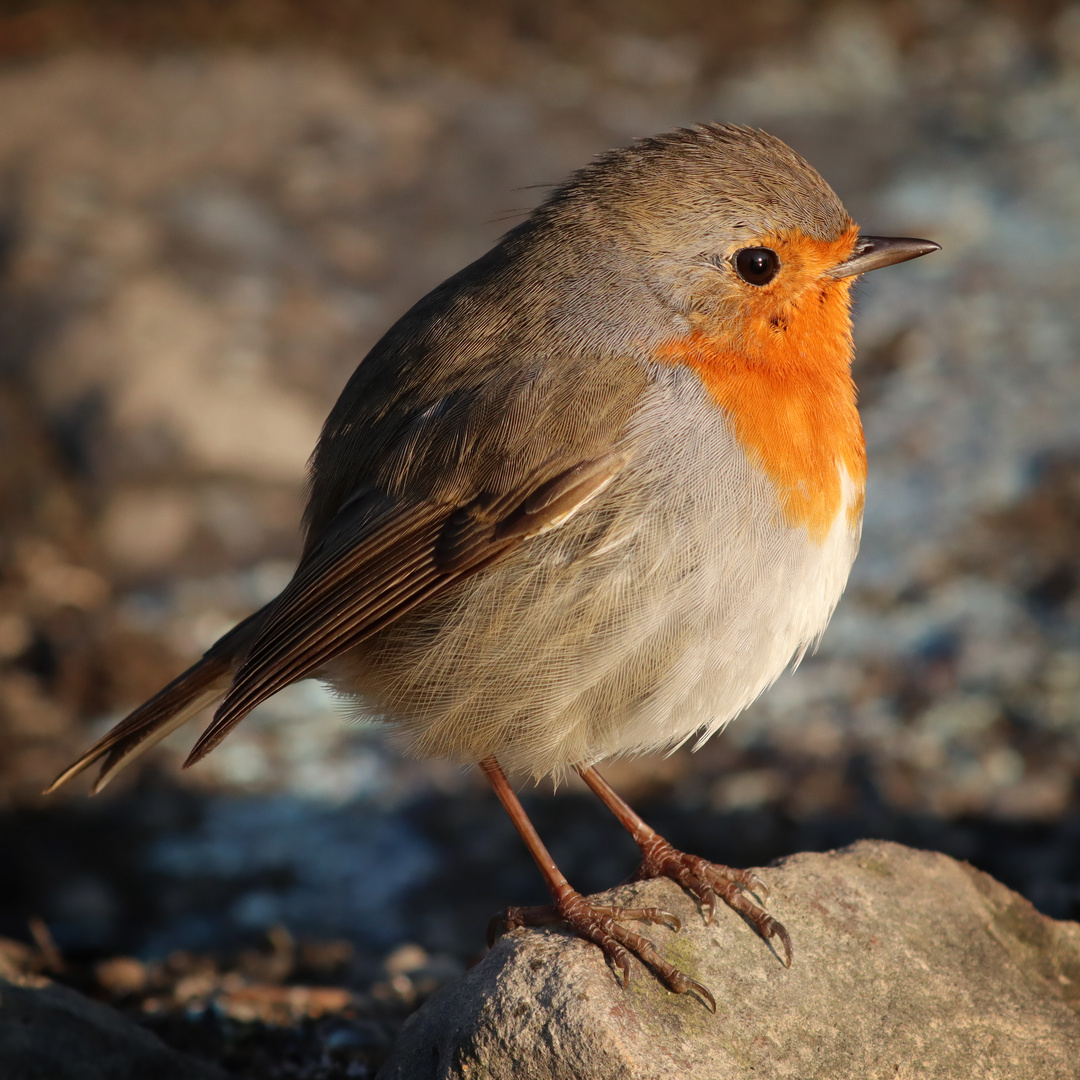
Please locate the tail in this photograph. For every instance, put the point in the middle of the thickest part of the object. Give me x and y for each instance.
(201, 685)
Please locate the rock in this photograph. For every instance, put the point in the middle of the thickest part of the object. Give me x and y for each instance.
(907, 963)
(49, 1031)
(146, 529)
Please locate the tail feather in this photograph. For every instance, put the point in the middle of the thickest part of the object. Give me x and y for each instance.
(201, 685)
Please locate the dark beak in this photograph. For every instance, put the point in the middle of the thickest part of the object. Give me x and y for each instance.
(872, 252)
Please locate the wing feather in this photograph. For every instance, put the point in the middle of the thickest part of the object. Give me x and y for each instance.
(382, 561)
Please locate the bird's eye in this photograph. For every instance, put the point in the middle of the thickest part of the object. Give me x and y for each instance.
(756, 266)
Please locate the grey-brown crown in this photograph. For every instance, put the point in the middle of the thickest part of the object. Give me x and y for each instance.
(708, 177)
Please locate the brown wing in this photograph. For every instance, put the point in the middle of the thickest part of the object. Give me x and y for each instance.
(380, 560)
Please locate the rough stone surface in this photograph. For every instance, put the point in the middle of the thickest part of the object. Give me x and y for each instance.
(48, 1032)
(907, 964)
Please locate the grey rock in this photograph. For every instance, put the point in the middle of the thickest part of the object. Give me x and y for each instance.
(907, 964)
(49, 1032)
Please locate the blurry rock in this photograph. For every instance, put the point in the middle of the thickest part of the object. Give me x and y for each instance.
(146, 529)
(55, 582)
(26, 709)
(167, 245)
(17, 959)
(230, 223)
(283, 1005)
(50, 1031)
(406, 959)
(15, 634)
(273, 965)
(355, 251)
(905, 962)
(746, 789)
(171, 377)
(326, 957)
(1043, 796)
(120, 975)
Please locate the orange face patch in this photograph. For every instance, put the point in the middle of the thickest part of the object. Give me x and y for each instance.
(779, 363)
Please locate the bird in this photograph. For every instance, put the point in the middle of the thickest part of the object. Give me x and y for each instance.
(588, 497)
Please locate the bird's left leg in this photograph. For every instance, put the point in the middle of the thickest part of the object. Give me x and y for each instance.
(601, 925)
(703, 879)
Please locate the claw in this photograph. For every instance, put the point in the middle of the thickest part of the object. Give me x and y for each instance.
(756, 885)
(703, 993)
(783, 935)
(683, 984)
(706, 880)
(708, 905)
(665, 918)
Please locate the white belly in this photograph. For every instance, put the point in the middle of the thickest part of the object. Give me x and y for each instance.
(660, 610)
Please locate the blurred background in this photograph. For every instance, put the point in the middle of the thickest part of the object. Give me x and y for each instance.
(208, 213)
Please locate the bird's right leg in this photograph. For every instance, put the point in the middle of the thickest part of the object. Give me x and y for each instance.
(599, 924)
(706, 880)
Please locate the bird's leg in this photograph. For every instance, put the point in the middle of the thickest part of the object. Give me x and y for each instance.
(697, 875)
(598, 924)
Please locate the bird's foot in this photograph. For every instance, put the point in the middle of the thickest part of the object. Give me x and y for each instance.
(707, 880)
(603, 926)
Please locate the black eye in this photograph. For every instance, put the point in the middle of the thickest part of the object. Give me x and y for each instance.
(756, 266)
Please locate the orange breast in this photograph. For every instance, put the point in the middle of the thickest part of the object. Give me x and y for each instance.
(779, 364)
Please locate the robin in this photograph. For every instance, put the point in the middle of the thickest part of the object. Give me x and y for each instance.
(588, 497)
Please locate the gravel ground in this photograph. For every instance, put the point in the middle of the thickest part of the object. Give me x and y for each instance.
(198, 245)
